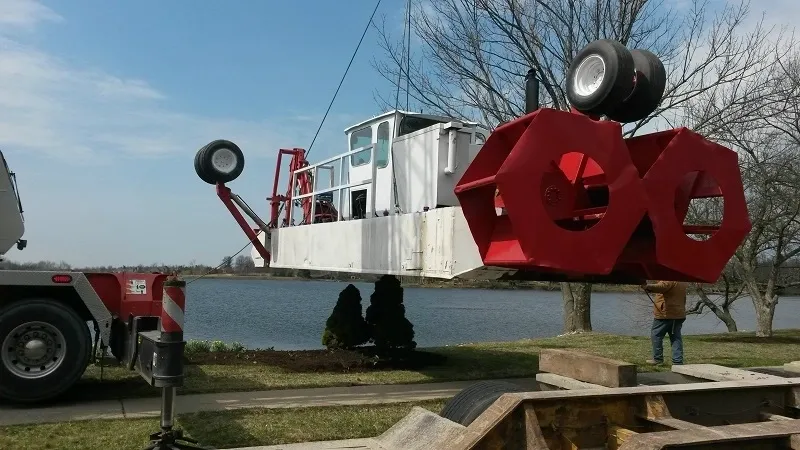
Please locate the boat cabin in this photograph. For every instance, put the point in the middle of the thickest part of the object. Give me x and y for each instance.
(397, 162)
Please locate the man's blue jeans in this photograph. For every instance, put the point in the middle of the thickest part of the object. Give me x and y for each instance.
(662, 327)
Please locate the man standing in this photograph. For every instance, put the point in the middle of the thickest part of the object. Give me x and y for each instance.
(669, 313)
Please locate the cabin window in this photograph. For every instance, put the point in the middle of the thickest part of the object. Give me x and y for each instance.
(382, 150)
(358, 139)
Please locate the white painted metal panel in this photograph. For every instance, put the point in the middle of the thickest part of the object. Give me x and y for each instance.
(435, 244)
(12, 227)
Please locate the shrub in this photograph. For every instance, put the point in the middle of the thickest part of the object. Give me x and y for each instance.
(386, 316)
(197, 347)
(219, 346)
(346, 328)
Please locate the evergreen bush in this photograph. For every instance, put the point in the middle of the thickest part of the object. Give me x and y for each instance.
(345, 327)
(389, 328)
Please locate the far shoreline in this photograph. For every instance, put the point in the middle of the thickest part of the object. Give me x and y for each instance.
(428, 283)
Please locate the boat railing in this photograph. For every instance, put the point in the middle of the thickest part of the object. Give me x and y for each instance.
(342, 186)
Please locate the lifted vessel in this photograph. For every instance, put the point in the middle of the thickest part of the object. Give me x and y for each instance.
(553, 195)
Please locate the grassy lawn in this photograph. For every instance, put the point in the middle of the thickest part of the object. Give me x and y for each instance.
(465, 362)
(253, 427)
(239, 428)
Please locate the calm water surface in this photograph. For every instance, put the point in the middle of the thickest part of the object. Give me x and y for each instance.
(290, 315)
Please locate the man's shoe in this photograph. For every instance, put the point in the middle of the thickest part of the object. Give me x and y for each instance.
(654, 362)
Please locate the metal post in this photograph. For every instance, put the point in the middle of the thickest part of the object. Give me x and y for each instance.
(531, 92)
(167, 408)
(173, 305)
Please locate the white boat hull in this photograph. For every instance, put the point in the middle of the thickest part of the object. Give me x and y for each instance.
(435, 244)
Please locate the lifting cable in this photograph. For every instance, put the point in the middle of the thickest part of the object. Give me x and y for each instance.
(344, 76)
(400, 72)
(353, 57)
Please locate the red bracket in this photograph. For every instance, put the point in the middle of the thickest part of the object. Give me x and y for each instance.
(224, 193)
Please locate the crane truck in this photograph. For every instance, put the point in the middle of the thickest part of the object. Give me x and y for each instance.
(46, 318)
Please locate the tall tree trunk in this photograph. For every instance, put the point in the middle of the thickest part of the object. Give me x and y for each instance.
(577, 307)
(727, 318)
(765, 313)
(723, 311)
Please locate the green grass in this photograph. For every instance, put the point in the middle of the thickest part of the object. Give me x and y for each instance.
(253, 427)
(465, 362)
(221, 429)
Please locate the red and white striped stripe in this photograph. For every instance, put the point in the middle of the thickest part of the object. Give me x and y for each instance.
(173, 304)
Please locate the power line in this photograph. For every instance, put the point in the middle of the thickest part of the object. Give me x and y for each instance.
(344, 76)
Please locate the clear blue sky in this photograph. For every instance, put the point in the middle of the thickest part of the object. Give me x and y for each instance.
(104, 104)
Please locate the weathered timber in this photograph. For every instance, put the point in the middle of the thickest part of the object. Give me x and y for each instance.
(716, 372)
(588, 368)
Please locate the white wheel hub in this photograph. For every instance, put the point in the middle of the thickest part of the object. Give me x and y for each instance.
(224, 160)
(589, 75)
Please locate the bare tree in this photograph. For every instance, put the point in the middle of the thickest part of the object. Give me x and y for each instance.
(760, 118)
(719, 303)
(243, 264)
(475, 53)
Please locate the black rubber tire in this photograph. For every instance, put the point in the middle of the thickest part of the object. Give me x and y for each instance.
(618, 79)
(206, 171)
(472, 401)
(198, 167)
(76, 358)
(651, 80)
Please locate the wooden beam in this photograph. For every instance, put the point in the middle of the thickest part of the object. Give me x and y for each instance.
(716, 372)
(534, 440)
(563, 382)
(771, 416)
(656, 411)
(588, 368)
(618, 435)
(732, 435)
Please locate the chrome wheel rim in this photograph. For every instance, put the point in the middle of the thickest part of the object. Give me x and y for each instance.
(224, 160)
(33, 350)
(589, 75)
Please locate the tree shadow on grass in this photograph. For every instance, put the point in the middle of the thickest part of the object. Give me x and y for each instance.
(470, 363)
(748, 339)
(434, 365)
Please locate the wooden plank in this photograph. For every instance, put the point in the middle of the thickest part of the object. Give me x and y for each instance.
(656, 411)
(731, 386)
(618, 435)
(534, 440)
(676, 424)
(732, 435)
(793, 366)
(588, 368)
(771, 416)
(565, 382)
(716, 372)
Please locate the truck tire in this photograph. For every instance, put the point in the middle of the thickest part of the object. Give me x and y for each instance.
(651, 80)
(600, 77)
(46, 348)
(220, 161)
(472, 401)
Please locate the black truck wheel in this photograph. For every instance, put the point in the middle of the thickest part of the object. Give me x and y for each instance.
(651, 80)
(471, 402)
(220, 161)
(46, 348)
(600, 77)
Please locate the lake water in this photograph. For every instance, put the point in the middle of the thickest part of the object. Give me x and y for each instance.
(290, 315)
